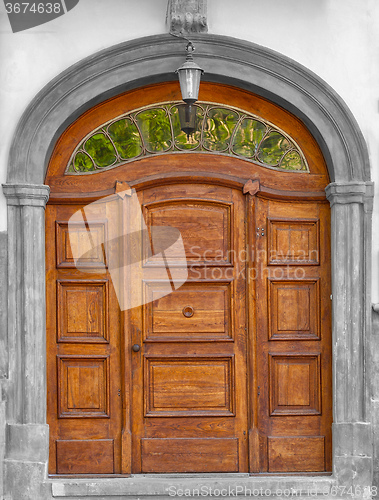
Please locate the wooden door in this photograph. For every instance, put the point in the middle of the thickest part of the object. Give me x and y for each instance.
(189, 376)
(84, 348)
(291, 291)
(232, 371)
(185, 389)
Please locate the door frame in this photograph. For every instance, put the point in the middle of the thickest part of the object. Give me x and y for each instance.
(153, 59)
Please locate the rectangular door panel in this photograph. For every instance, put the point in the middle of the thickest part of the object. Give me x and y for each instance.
(190, 455)
(189, 386)
(197, 310)
(83, 389)
(295, 384)
(74, 246)
(204, 226)
(77, 456)
(293, 242)
(294, 309)
(82, 311)
(296, 454)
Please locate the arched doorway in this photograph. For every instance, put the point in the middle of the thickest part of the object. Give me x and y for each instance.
(350, 194)
(232, 366)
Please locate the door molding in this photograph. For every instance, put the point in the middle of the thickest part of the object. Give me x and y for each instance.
(154, 59)
(196, 177)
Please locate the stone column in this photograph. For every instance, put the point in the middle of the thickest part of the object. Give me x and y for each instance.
(26, 431)
(351, 210)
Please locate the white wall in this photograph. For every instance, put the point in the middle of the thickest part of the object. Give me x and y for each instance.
(337, 39)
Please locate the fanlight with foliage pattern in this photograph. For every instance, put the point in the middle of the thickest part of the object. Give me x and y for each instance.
(155, 130)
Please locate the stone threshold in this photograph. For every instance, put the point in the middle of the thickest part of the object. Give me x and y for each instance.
(166, 486)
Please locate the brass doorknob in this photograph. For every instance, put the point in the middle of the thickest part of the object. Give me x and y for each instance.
(136, 348)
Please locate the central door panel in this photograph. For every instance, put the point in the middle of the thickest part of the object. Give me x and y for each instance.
(189, 409)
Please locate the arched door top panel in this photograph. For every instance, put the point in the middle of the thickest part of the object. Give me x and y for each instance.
(77, 152)
(156, 130)
(154, 59)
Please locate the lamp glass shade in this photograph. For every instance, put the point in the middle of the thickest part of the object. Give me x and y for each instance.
(187, 118)
(189, 79)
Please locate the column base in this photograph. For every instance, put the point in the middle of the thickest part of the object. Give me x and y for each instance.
(25, 464)
(353, 457)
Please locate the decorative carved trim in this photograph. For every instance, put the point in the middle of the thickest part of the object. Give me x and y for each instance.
(185, 17)
(122, 189)
(252, 187)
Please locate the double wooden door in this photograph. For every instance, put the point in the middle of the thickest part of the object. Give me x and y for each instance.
(226, 370)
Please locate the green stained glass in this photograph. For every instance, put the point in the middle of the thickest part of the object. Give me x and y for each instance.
(126, 138)
(248, 136)
(71, 169)
(156, 129)
(100, 148)
(273, 148)
(292, 161)
(181, 140)
(83, 163)
(218, 128)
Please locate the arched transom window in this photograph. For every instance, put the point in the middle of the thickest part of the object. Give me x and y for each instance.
(155, 130)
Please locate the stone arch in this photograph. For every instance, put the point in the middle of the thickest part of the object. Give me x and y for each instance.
(234, 62)
(154, 59)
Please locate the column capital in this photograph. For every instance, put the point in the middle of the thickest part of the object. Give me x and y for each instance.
(350, 192)
(26, 194)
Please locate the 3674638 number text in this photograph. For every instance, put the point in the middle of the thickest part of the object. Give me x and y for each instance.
(35, 8)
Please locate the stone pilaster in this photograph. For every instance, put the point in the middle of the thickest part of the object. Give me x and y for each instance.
(26, 293)
(26, 449)
(351, 207)
(2, 443)
(375, 388)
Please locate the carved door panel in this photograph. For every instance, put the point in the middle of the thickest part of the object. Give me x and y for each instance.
(83, 343)
(189, 376)
(293, 313)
